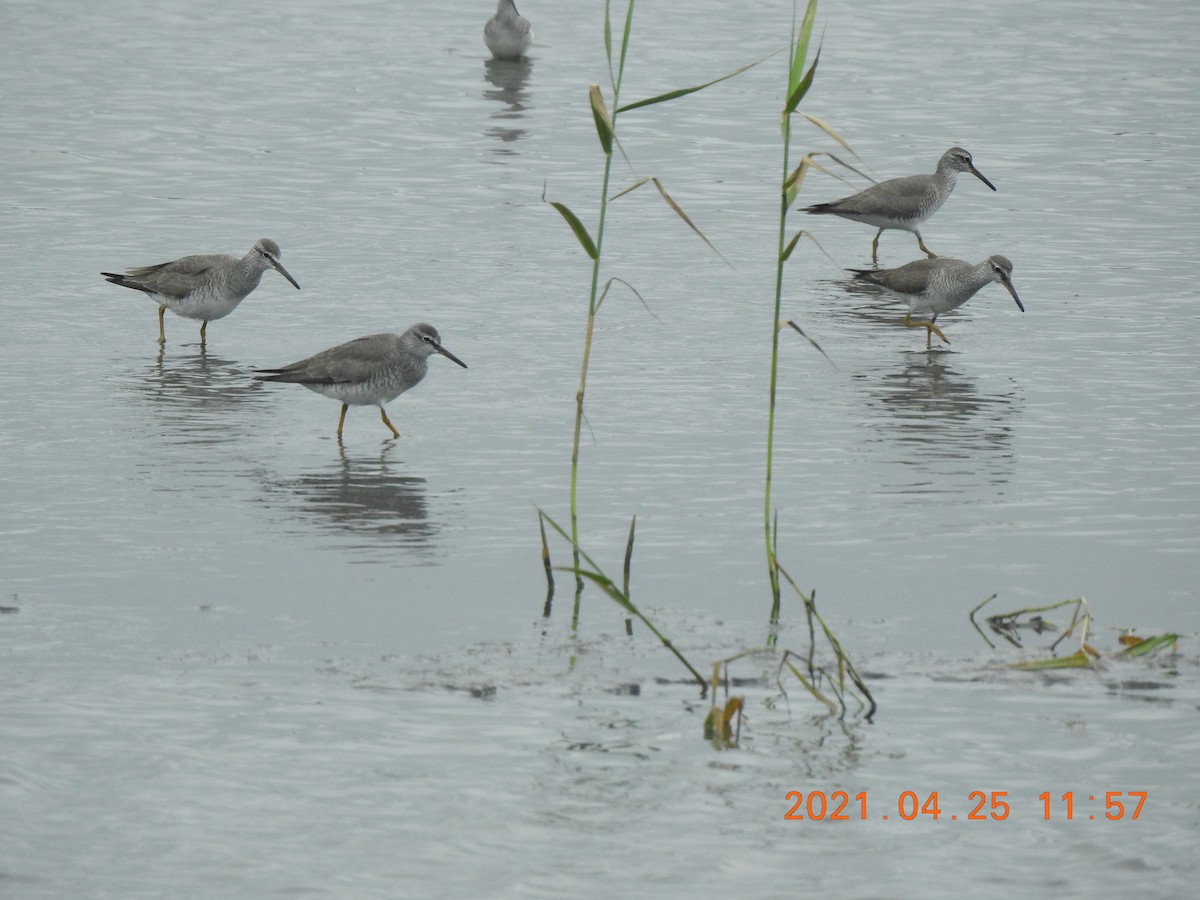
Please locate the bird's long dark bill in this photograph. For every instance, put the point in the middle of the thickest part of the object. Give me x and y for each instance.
(981, 177)
(446, 353)
(1012, 290)
(278, 266)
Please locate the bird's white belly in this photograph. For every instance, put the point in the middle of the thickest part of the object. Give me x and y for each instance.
(918, 304)
(373, 393)
(508, 43)
(206, 308)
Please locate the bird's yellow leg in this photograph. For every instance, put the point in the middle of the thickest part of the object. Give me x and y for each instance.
(921, 244)
(162, 335)
(875, 247)
(341, 419)
(930, 330)
(388, 422)
(203, 329)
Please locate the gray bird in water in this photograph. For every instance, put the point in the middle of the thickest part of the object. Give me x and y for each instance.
(205, 287)
(507, 33)
(368, 371)
(903, 203)
(931, 287)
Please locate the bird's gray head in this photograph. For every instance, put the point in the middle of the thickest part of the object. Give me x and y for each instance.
(425, 340)
(959, 160)
(267, 247)
(1002, 272)
(1001, 263)
(269, 251)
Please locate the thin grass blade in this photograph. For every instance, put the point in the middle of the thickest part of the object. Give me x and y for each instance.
(581, 232)
(608, 36)
(811, 341)
(624, 49)
(683, 92)
(796, 179)
(690, 224)
(1077, 660)
(1149, 645)
(546, 551)
(678, 210)
(801, 51)
(605, 584)
(797, 95)
(807, 234)
(861, 174)
(632, 289)
(829, 130)
(629, 190)
(628, 556)
(791, 186)
(787, 251)
(808, 685)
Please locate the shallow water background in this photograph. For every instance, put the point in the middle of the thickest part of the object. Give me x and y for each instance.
(243, 661)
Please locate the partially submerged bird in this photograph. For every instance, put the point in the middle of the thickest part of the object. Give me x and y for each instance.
(507, 33)
(205, 287)
(904, 203)
(931, 287)
(368, 371)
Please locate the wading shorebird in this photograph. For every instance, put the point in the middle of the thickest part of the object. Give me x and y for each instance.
(931, 287)
(507, 33)
(205, 287)
(368, 371)
(903, 203)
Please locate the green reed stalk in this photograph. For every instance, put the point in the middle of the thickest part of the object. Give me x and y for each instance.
(798, 85)
(606, 132)
(606, 128)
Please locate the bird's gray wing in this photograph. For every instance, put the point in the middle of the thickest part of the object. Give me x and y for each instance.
(177, 278)
(896, 196)
(352, 362)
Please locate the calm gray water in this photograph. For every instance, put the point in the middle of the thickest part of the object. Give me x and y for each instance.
(244, 661)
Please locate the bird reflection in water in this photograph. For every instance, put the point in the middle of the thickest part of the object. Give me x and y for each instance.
(195, 394)
(364, 498)
(937, 423)
(507, 78)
